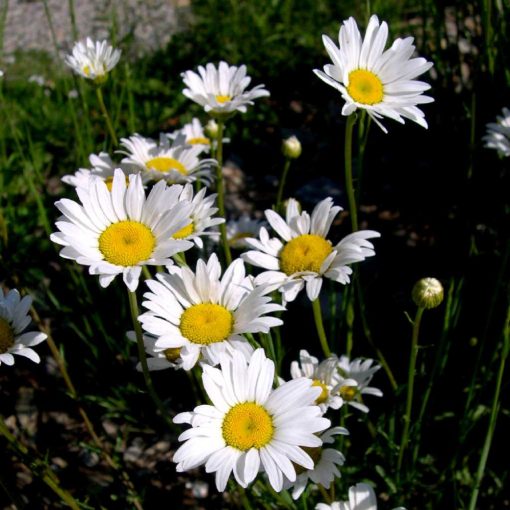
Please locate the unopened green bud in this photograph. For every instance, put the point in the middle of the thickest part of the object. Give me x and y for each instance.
(211, 129)
(291, 148)
(428, 293)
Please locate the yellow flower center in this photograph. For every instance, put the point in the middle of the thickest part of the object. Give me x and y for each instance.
(365, 87)
(126, 243)
(199, 140)
(223, 99)
(185, 231)
(246, 426)
(304, 253)
(165, 164)
(324, 393)
(348, 392)
(172, 354)
(86, 70)
(109, 182)
(206, 323)
(6, 336)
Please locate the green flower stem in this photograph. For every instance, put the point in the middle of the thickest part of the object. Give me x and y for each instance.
(133, 306)
(351, 120)
(38, 467)
(317, 315)
(281, 186)
(410, 386)
(220, 187)
(104, 111)
(84, 416)
(494, 416)
(146, 273)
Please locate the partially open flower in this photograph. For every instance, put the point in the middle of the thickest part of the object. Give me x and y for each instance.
(93, 59)
(14, 319)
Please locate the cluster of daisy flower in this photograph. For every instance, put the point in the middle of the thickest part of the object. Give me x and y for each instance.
(152, 205)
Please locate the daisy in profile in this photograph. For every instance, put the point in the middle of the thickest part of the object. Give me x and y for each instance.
(498, 134)
(250, 427)
(304, 255)
(241, 229)
(201, 216)
(361, 497)
(361, 372)
(14, 319)
(102, 166)
(93, 59)
(175, 162)
(326, 464)
(221, 90)
(158, 360)
(205, 314)
(324, 375)
(118, 232)
(378, 81)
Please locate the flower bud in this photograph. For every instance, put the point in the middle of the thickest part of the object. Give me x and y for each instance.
(428, 293)
(211, 129)
(291, 148)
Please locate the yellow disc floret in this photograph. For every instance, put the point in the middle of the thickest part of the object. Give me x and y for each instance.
(6, 336)
(223, 99)
(199, 140)
(185, 231)
(246, 426)
(324, 393)
(127, 243)
(206, 323)
(165, 164)
(365, 87)
(304, 253)
(172, 354)
(348, 392)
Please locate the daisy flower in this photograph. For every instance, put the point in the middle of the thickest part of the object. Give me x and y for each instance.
(361, 497)
(14, 319)
(201, 216)
(175, 162)
(102, 166)
(93, 59)
(118, 232)
(324, 375)
(205, 314)
(250, 427)
(304, 255)
(242, 228)
(326, 462)
(158, 360)
(498, 134)
(380, 82)
(361, 372)
(221, 91)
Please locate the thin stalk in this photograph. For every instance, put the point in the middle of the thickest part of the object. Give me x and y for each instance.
(86, 420)
(410, 386)
(104, 111)
(133, 306)
(351, 120)
(220, 187)
(281, 186)
(368, 334)
(72, 15)
(319, 324)
(38, 467)
(146, 273)
(494, 415)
